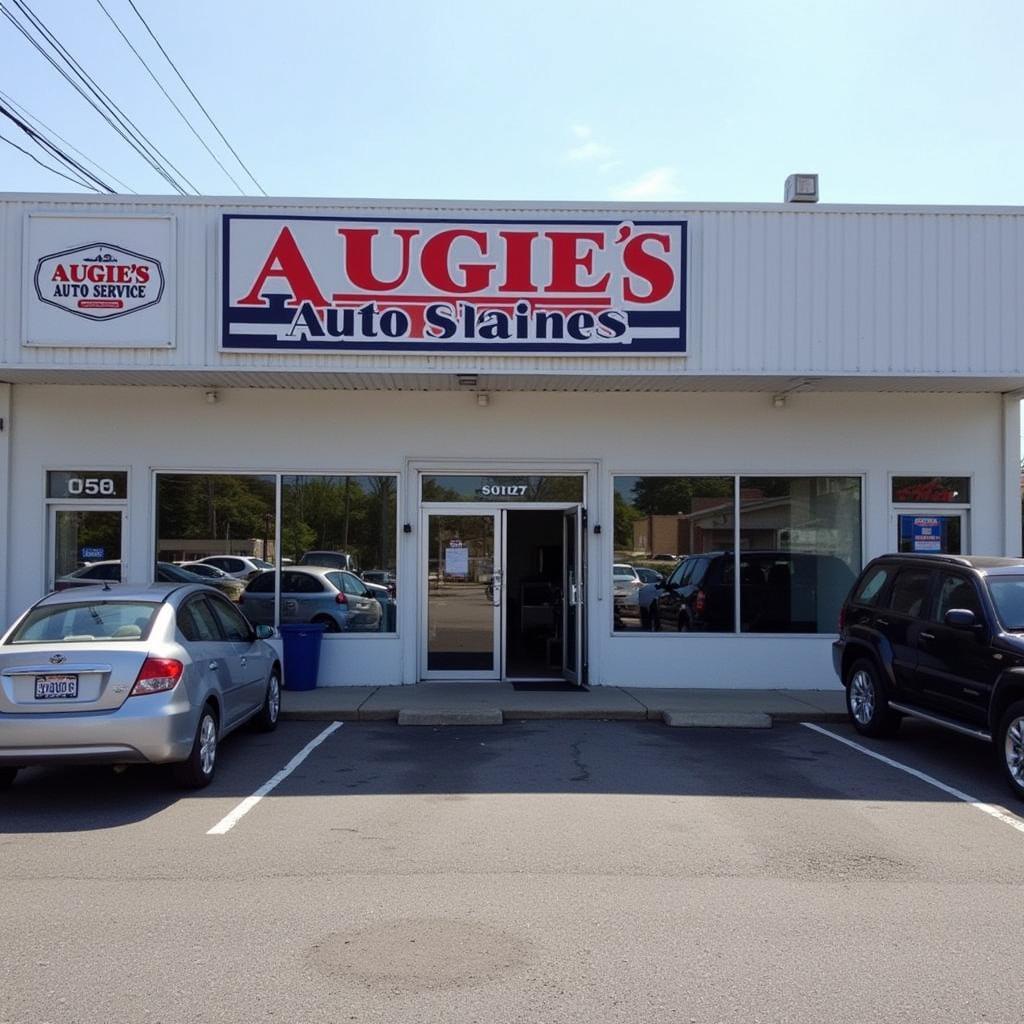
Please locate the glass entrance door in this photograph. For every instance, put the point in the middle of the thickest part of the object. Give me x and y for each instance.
(463, 596)
(82, 537)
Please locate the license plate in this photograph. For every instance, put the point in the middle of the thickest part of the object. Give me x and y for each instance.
(56, 687)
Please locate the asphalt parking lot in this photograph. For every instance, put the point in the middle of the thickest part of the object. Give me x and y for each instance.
(540, 871)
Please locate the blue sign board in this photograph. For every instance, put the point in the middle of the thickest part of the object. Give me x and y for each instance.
(923, 533)
(92, 554)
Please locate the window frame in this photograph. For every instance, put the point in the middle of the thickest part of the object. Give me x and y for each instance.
(279, 475)
(862, 477)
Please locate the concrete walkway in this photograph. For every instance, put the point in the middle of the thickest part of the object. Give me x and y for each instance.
(494, 703)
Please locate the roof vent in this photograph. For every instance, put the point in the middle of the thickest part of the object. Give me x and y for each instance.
(801, 188)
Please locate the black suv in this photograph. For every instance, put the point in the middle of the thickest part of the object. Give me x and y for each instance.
(938, 637)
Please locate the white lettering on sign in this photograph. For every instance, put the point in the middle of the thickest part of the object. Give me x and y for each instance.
(503, 490)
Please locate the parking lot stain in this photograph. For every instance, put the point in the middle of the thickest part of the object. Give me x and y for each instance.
(419, 954)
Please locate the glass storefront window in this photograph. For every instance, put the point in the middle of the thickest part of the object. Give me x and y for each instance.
(344, 523)
(672, 571)
(800, 551)
(227, 517)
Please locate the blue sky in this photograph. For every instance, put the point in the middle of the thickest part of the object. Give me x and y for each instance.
(902, 102)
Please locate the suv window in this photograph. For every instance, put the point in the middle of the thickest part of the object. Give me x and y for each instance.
(232, 622)
(910, 592)
(698, 566)
(872, 585)
(957, 592)
(677, 573)
(196, 621)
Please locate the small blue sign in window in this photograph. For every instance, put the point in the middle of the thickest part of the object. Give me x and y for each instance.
(92, 554)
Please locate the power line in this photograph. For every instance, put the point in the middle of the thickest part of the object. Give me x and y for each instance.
(196, 98)
(100, 101)
(170, 100)
(26, 113)
(53, 170)
(45, 144)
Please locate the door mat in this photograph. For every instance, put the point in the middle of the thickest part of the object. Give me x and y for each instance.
(555, 686)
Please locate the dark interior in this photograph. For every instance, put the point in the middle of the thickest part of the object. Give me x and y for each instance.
(533, 594)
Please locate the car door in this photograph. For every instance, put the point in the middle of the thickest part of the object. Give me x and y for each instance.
(955, 668)
(206, 647)
(899, 623)
(250, 665)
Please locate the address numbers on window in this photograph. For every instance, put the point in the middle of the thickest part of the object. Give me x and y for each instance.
(86, 485)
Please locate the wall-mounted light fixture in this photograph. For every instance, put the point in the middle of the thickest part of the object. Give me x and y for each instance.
(407, 528)
(212, 397)
(483, 399)
(779, 401)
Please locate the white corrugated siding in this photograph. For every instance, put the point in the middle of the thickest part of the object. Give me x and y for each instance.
(785, 291)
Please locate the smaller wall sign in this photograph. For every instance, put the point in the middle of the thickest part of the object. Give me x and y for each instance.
(92, 554)
(104, 282)
(87, 485)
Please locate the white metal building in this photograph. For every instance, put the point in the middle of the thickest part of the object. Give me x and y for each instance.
(494, 404)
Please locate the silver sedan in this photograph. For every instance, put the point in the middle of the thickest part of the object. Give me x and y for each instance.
(123, 674)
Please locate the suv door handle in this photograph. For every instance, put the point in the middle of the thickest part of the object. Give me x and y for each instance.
(926, 636)
(881, 622)
(214, 666)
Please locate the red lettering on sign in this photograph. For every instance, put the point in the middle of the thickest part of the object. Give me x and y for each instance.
(518, 261)
(434, 262)
(656, 272)
(566, 261)
(285, 261)
(59, 273)
(359, 258)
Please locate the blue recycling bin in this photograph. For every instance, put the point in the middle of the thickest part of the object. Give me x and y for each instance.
(301, 643)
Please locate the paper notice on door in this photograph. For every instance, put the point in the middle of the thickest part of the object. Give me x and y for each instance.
(456, 561)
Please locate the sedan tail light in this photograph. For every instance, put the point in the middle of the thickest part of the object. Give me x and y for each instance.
(157, 675)
(341, 598)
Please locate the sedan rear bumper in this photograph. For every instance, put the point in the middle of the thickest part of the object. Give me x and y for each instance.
(154, 728)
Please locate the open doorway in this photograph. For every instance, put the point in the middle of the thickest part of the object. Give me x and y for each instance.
(534, 594)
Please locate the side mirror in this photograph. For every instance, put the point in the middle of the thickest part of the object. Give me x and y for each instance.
(264, 632)
(960, 618)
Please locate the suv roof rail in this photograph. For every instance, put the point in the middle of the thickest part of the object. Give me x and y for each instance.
(927, 556)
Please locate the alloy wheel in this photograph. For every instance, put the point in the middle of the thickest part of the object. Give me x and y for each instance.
(1014, 750)
(862, 697)
(207, 744)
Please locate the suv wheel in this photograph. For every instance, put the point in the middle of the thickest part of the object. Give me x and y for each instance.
(1010, 744)
(866, 701)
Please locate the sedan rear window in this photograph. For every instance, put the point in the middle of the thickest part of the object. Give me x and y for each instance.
(1008, 597)
(86, 621)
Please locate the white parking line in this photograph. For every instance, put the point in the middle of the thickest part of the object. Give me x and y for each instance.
(228, 822)
(995, 812)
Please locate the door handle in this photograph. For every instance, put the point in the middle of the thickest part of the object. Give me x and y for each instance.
(214, 666)
(927, 636)
(881, 622)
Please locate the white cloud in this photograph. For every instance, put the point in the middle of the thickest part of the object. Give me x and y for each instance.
(588, 149)
(659, 184)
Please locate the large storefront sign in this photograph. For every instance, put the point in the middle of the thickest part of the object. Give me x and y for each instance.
(99, 281)
(461, 285)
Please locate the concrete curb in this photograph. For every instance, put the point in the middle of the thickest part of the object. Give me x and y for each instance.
(718, 719)
(425, 716)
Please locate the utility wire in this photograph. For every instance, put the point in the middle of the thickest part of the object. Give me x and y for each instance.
(196, 98)
(112, 114)
(53, 170)
(170, 100)
(26, 113)
(44, 143)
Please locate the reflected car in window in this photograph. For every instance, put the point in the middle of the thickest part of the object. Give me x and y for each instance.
(779, 591)
(109, 571)
(157, 674)
(214, 577)
(242, 567)
(338, 599)
(626, 585)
